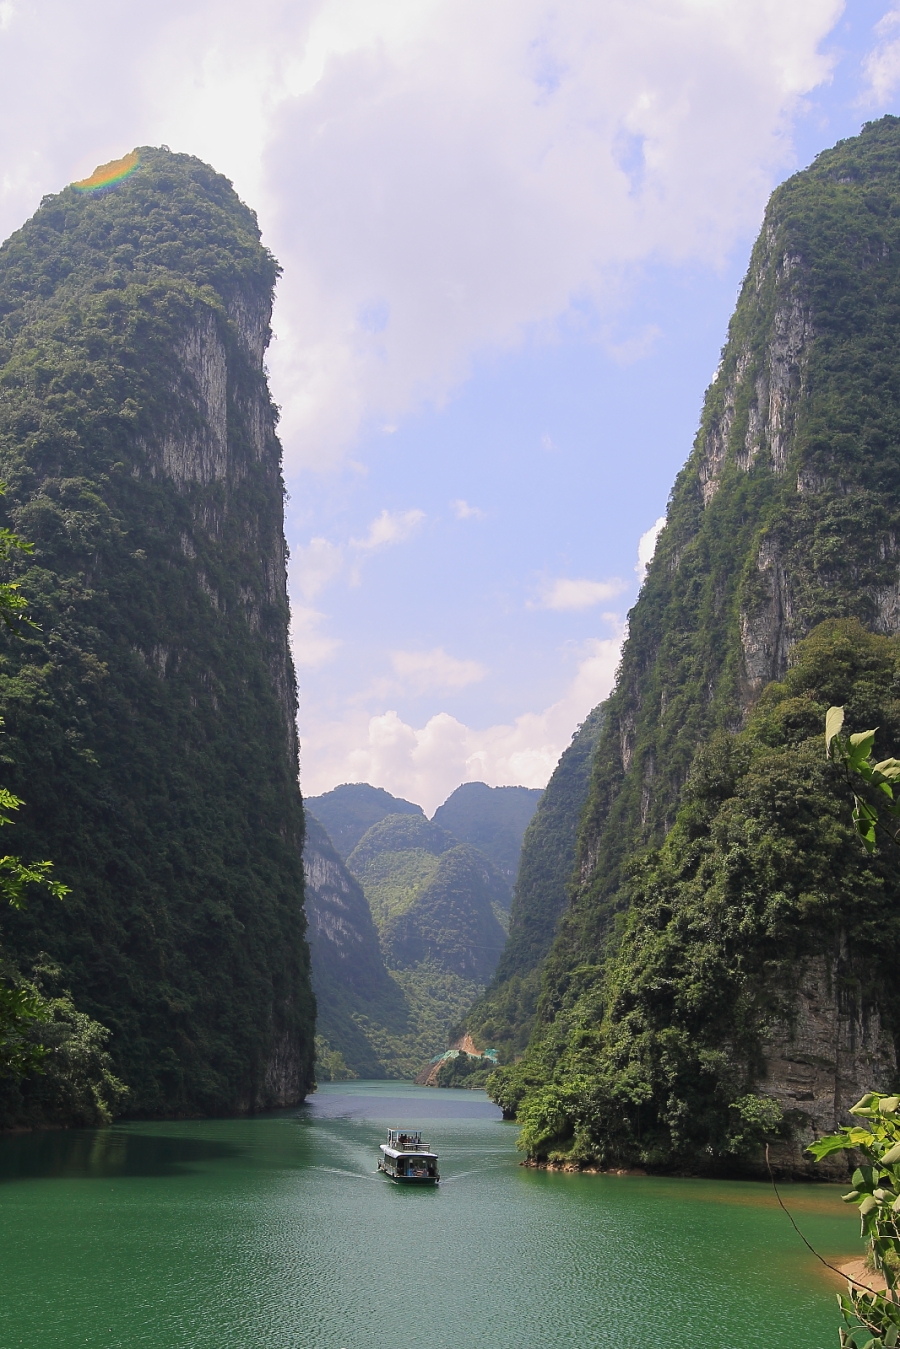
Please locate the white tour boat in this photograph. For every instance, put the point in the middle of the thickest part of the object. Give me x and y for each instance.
(407, 1159)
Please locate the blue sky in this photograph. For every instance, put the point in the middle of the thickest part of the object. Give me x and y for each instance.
(512, 236)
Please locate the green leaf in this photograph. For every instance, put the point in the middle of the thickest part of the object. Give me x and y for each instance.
(868, 1204)
(824, 1147)
(888, 1104)
(864, 1178)
(861, 744)
(834, 720)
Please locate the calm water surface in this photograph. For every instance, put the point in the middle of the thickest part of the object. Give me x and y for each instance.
(276, 1232)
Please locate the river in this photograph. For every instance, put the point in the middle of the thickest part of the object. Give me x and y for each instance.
(275, 1232)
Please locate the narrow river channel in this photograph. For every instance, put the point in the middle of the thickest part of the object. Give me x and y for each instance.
(276, 1232)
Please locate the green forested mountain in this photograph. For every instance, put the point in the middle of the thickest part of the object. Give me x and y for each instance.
(492, 819)
(433, 926)
(437, 905)
(433, 900)
(504, 1016)
(786, 514)
(349, 810)
(354, 991)
(149, 719)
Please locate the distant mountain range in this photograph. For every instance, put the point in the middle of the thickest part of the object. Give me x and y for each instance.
(407, 919)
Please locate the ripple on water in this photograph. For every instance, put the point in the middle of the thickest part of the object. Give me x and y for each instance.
(238, 1234)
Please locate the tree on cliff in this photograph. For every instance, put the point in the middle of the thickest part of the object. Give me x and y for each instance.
(21, 1005)
(150, 718)
(786, 514)
(759, 876)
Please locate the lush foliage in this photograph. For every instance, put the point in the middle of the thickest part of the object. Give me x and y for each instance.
(662, 1062)
(504, 1016)
(466, 1070)
(70, 1079)
(385, 1015)
(872, 1320)
(880, 807)
(433, 899)
(331, 1065)
(354, 990)
(348, 811)
(149, 716)
(491, 819)
(22, 1009)
(21, 1006)
(787, 513)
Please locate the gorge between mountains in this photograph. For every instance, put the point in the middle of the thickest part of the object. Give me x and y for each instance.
(672, 956)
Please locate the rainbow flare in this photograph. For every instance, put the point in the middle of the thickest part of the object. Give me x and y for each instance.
(107, 176)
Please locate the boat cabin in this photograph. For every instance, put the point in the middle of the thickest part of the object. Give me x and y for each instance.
(406, 1157)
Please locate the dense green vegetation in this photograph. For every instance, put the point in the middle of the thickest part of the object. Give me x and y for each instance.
(760, 871)
(467, 1070)
(349, 810)
(439, 899)
(786, 514)
(491, 819)
(403, 939)
(354, 990)
(389, 987)
(433, 900)
(149, 716)
(872, 1319)
(504, 1015)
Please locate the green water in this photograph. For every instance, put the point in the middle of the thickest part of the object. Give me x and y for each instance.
(276, 1232)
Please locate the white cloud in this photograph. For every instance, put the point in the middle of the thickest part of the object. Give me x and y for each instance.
(427, 763)
(647, 547)
(882, 64)
(439, 178)
(310, 648)
(481, 171)
(628, 350)
(389, 527)
(424, 670)
(568, 592)
(463, 511)
(314, 566)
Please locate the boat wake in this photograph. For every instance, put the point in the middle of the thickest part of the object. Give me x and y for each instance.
(475, 1172)
(336, 1171)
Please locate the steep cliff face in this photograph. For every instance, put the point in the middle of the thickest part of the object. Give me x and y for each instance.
(751, 989)
(150, 720)
(504, 1016)
(352, 986)
(785, 515)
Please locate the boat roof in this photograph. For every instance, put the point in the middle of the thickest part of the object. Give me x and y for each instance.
(406, 1152)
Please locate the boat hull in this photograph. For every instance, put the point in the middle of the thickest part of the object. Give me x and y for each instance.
(409, 1180)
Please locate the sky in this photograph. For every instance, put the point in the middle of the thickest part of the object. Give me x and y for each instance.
(512, 234)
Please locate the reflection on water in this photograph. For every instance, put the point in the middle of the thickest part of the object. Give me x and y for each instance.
(103, 1153)
(276, 1232)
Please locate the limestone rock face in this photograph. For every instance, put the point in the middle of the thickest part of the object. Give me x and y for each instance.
(354, 991)
(152, 720)
(786, 514)
(823, 1055)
